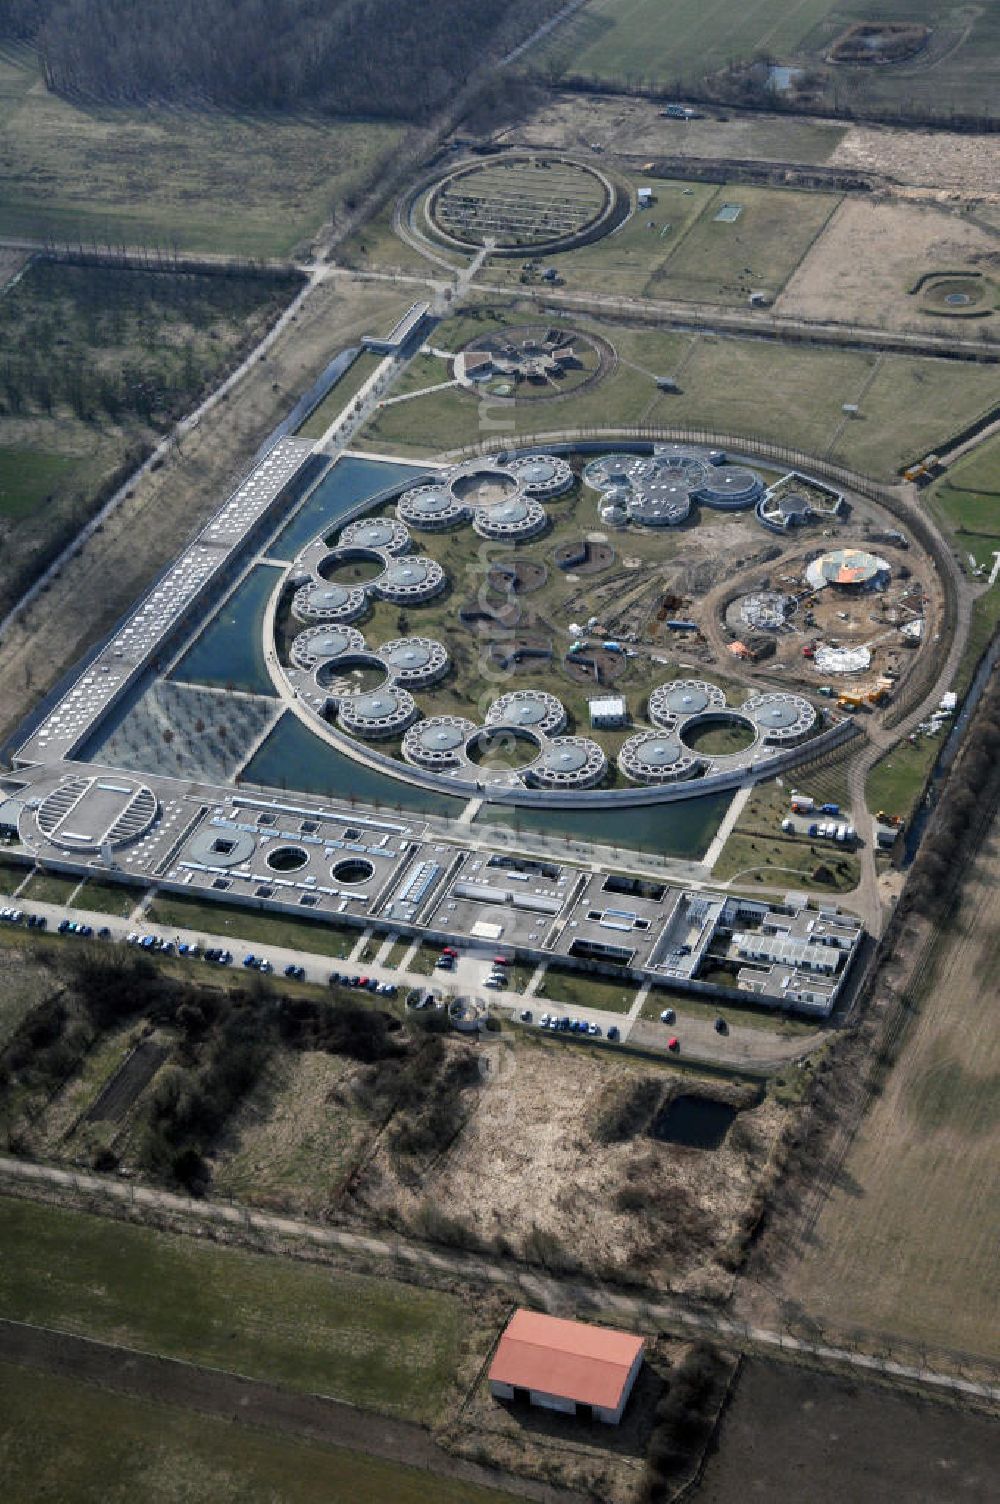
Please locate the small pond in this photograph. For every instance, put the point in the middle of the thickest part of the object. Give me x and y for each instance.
(697, 1122)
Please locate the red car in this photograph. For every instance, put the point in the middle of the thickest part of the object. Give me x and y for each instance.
(674, 1044)
(500, 961)
(449, 950)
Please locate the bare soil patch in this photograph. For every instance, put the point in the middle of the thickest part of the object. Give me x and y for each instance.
(789, 1435)
(906, 1242)
(862, 266)
(537, 1170)
(945, 161)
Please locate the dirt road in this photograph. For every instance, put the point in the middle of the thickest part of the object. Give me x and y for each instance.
(540, 1289)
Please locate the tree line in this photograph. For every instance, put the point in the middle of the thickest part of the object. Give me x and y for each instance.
(398, 59)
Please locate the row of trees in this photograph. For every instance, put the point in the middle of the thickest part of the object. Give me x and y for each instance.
(392, 58)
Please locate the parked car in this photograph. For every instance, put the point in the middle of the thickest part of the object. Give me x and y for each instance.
(295, 973)
(614, 1034)
(668, 1016)
(63, 926)
(721, 1027)
(250, 960)
(449, 950)
(674, 1044)
(526, 1015)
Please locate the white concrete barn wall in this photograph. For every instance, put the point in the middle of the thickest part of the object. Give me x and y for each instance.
(545, 1401)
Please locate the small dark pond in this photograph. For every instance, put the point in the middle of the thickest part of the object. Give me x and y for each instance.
(698, 1122)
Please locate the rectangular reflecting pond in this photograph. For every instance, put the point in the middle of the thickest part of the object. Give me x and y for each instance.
(683, 828)
(347, 483)
(229, 653)
(293, 758)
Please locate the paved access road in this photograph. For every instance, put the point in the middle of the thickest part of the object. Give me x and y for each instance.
(753, 1046)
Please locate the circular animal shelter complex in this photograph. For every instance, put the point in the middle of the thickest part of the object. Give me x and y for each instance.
(578, 710)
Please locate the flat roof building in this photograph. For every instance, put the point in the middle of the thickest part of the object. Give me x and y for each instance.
(607, 712)
(567, 1366)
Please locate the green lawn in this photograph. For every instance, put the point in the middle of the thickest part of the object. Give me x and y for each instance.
(635, 259)
(353, 379)
(12, 875)
(50, 887)
(28, 479)
(632, 39)
(580, 990)
(63, 1440)
(629, 41)
(894, 784)
(967, 501)
(719, 262)
(374, 1342)
(201, 181)
(912, 406)
(686, 1006)
(320, 938)
(116, 899)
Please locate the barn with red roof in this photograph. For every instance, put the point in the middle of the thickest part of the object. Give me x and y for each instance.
(568, 1366)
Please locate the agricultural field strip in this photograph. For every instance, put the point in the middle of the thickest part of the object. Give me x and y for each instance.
(546, 1287)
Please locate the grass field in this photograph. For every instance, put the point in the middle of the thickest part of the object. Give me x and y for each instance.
(29, 479)
(758, 850)
(374, 1342)
(719, 262)
(967, 502)
(199, 181)
(117, 899)
(246, 925)
(906, 1242)
(64, 1440)
(50, 887)
(895, 783)
(626, 41)
(678, 249)
(353, 379)
(789, 395)
(578, 989)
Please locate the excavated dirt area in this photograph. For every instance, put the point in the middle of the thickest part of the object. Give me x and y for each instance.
(947, 162)
(861, 267)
